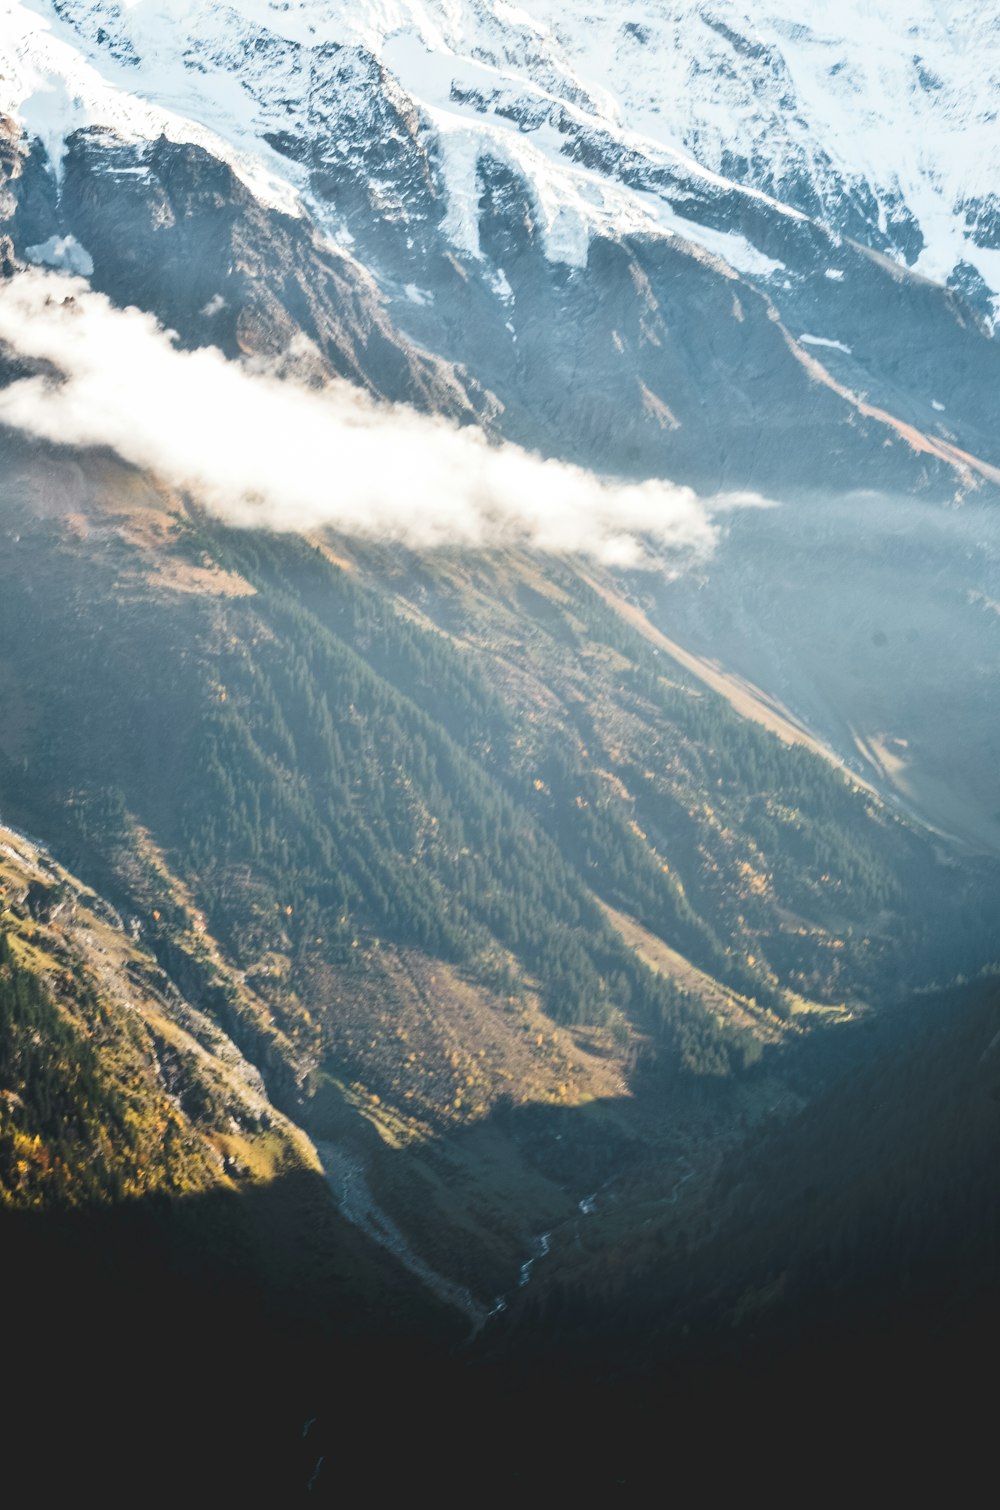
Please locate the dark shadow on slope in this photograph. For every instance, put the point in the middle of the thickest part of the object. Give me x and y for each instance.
(163, 1350)
(845, 1282)
(841, 1286)
(170, 1352)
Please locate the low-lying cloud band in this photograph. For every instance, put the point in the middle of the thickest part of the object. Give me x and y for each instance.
(260, 450)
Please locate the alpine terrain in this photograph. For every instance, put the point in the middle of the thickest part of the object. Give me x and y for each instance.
(499, 816)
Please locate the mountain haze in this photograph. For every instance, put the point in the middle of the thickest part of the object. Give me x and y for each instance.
(499, 641)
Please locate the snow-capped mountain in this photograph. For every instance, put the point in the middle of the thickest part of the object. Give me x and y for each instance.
(655, 234)
(876, 119)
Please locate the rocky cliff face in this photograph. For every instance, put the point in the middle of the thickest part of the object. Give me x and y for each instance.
(675, 247)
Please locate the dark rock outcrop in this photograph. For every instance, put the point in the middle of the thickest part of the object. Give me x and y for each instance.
(173, 230)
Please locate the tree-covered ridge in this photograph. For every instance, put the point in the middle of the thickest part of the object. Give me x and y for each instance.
(304, 798)
(333, 778)
(562, 796)
(407, 835)
(70, 1132)
(356, 809)
(112, 1086)
(702, 824)
(328, 769)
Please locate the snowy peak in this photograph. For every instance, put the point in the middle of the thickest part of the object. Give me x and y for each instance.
(708, 242)
(877, 119)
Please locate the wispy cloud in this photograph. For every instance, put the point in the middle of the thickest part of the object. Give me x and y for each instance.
(260, 450)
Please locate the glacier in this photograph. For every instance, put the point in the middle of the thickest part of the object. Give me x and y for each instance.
(874, 117)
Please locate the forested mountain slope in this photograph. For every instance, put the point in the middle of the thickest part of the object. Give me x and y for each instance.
(499, 603)
(114, 1087)
(429, 838)
(156, 1212)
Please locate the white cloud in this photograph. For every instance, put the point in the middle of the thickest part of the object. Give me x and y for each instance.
(64, 253)
(261, 451)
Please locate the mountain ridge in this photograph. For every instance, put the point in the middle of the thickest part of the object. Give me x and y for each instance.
(486, 219)
(367, 808)
(451, 954)
(731, 83)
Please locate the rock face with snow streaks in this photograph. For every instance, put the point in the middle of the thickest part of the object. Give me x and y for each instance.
(707, 241)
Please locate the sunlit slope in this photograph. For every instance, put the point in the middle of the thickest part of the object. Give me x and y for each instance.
(113, 1086)
(450, 758)
(492, 894)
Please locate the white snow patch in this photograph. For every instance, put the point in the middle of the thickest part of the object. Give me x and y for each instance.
(824, 341)
(937, 406)
(733, 248)
(418, 295)
(835, 274)
(51, 87)
(479, 111)
(64, 253)
(501, 287)
(460, 166)
(516, 16)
